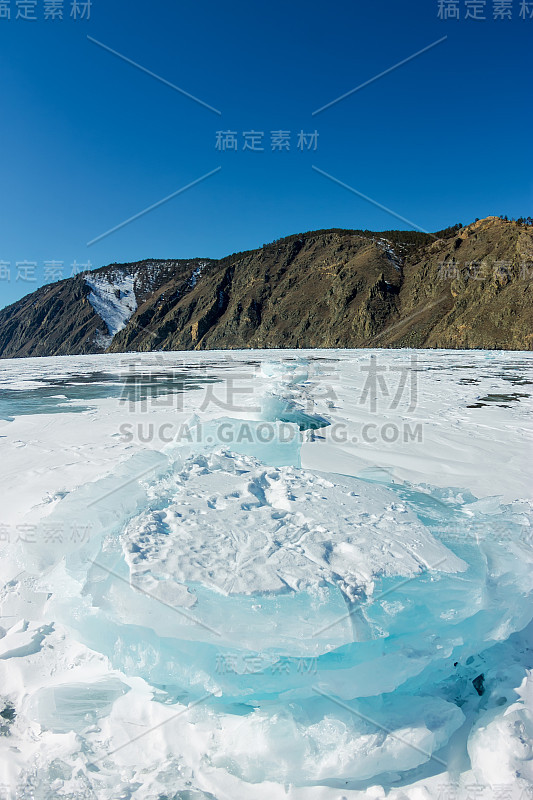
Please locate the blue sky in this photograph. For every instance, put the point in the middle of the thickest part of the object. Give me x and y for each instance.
(88, 140)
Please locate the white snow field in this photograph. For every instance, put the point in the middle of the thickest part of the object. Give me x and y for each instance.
(257, 575)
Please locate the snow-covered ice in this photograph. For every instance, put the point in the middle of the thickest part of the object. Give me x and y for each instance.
(267, 574)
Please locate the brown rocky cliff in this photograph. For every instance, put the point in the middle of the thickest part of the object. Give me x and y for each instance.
(464, 288)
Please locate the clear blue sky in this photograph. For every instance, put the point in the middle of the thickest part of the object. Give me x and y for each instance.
(88, 140)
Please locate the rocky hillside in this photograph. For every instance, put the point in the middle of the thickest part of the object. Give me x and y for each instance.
(465, 287)
(83, 314)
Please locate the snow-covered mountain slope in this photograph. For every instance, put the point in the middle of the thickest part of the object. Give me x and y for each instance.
(84, 314)
(113, 299)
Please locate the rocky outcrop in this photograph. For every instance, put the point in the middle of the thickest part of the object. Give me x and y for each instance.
(463, 288)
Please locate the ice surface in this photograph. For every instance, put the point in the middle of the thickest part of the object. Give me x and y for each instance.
(231, 622)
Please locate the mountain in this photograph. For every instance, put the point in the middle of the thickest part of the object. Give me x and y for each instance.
(465, 287)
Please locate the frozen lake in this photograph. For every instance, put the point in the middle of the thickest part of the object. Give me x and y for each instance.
(267, 574)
